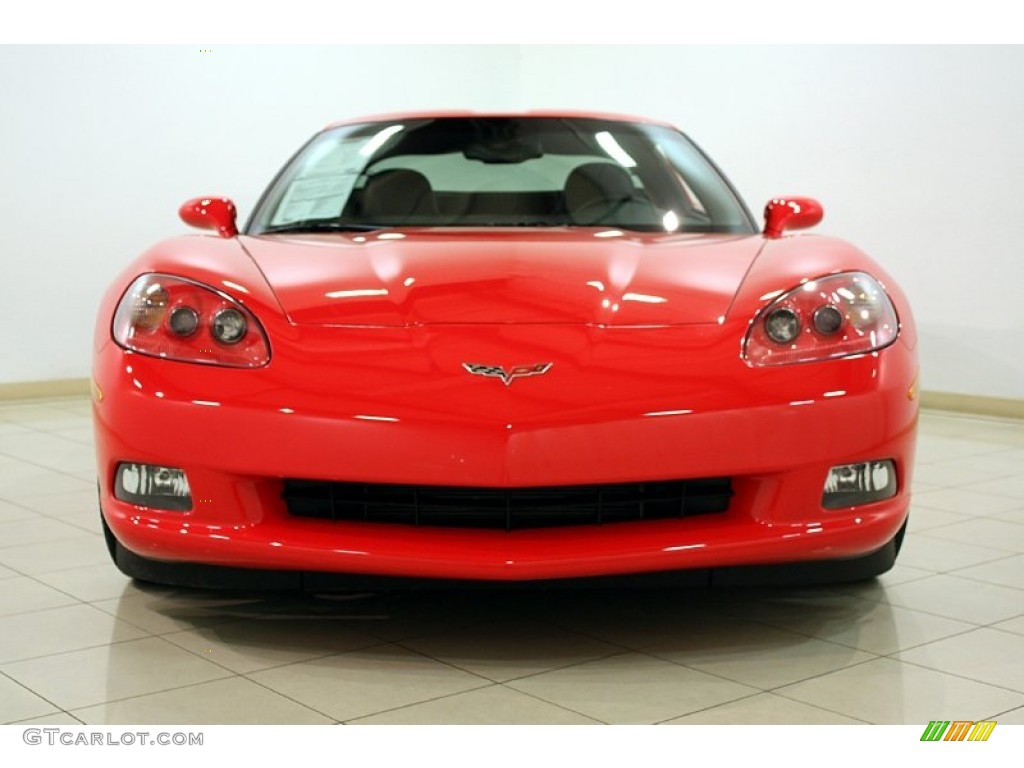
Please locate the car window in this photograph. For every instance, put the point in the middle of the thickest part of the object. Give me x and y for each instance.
(516, 171)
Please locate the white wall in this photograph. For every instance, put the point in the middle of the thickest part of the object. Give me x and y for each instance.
(917, 153)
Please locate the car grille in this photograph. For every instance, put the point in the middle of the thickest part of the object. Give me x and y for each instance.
(506, 508)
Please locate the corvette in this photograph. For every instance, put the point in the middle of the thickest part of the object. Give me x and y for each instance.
(503, 348)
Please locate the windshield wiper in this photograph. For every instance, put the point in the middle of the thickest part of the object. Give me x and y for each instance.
(319, 225)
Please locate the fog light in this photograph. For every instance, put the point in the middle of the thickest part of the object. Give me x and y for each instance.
(148, 485)
(848, 485)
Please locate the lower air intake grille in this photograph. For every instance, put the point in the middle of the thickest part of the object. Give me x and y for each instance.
(506, 508)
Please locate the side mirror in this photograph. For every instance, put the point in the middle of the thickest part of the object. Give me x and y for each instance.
(216, 213)
(784, 213)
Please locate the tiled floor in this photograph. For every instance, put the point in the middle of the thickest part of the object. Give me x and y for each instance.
(942, 635)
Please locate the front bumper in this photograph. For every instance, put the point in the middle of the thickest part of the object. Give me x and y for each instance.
(613, 414)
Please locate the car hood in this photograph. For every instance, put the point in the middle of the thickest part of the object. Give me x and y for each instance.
(432, 276)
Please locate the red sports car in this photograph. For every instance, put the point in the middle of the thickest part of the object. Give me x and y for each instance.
(506, 348)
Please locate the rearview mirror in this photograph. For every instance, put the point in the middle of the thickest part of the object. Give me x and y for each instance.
(217, 213)
(784, 213)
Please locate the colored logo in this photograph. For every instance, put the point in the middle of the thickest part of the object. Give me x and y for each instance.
(518, 371)
(958, 730)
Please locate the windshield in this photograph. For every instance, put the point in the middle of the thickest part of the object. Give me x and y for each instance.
(500, 172)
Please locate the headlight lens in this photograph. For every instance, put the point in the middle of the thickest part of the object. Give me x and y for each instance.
(229, 326)
(831, 317)
(183, 320)
(782, 325)
(179, 319)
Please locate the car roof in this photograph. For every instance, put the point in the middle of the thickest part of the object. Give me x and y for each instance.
(421, 115)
